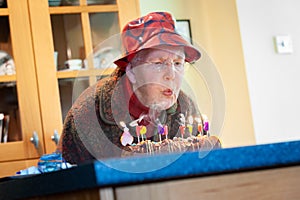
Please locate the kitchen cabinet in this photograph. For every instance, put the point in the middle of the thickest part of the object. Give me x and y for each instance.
(38, 96)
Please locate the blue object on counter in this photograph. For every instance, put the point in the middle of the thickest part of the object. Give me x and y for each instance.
(50, 162)
(29, 170)
(47, 163)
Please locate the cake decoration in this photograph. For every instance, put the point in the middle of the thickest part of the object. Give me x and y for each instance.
(126, 137)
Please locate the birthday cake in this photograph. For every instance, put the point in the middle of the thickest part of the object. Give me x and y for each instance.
(177, 144)
(202, 141)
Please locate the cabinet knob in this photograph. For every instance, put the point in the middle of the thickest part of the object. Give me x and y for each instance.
(35, 139)
(55, 137)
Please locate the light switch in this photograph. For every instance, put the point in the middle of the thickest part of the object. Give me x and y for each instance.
(283, 44)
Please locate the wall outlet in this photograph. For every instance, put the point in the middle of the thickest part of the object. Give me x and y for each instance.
(283, 44)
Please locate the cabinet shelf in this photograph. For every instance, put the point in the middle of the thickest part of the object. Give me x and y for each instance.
(4, 11)
(8, 78)
(84, 8)
(83, 73)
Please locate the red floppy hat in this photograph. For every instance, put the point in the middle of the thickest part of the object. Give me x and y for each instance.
(153, 30)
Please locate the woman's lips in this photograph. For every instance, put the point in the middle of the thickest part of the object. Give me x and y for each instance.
(168, 92)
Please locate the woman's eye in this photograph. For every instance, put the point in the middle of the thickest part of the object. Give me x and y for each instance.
(178, 64)
(158, 63)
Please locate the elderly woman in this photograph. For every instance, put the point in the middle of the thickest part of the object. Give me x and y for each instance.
(144, 89)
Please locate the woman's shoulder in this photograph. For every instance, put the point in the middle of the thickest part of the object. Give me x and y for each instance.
(91, 93)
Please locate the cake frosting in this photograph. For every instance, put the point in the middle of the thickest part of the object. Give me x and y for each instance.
(177, 144)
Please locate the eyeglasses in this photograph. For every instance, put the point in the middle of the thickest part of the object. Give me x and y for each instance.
(160, 66)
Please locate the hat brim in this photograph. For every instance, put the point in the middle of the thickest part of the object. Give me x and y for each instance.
(163, 38)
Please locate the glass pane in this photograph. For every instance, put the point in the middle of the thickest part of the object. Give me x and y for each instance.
(70, 2)
(10, 125)
(55, 2)
(105, 38)
(68, 39)
(103, 25)
(100, 2)
(69, 90)
(3, 4)
(5, 41)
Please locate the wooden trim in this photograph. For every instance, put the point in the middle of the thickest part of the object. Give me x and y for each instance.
(128, 10)
(281, 183)
(46, 71)
(88, 44)
(8, 78)
(91, 194)
(83, 2)
(28, 96)
(83, 73)
(12, 151)
(4, 11)
(107, 194)
(83, 8)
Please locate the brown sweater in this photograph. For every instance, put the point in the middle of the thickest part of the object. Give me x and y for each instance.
(92, 129)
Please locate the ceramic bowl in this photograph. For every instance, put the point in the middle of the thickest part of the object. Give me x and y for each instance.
(74, 64)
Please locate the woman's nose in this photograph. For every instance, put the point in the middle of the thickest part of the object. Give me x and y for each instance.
(170, 72)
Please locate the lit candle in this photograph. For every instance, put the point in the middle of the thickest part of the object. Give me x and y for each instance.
(160, 130)
(205, 124)
(190, 125)
(143, 132)
(182, 130)
(137, 130)
(166, 131)
(181, 124)
(199, 125)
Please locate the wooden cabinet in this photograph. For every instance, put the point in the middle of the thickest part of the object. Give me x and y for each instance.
(42, 91)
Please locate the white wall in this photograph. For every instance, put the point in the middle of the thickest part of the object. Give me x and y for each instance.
(273, 79)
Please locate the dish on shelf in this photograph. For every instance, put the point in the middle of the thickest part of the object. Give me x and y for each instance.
(54, 2)
(74, 64)
(7, 65)
(104, 58)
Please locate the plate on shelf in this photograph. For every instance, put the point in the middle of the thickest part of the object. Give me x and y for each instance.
(7, 65)
(105, 57)
(54, 2)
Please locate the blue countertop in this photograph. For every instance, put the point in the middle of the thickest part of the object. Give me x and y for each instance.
(137, 170)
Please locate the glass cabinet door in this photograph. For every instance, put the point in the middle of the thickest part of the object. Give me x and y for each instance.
(77, 28)
(64, 34)
(20, 123)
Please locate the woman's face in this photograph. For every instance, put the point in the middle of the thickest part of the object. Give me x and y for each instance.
(156, 76)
